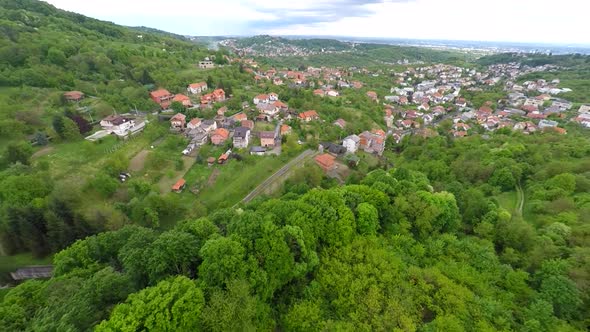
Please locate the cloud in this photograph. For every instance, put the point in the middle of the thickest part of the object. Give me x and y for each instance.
(312, 12)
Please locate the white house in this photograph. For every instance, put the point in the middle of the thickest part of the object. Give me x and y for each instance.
(194, 123)
(196, 88)
(241, 137)
(117, 124)
(262, 98)
(351, 143)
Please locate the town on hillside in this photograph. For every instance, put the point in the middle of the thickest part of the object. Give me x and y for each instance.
(423, 100)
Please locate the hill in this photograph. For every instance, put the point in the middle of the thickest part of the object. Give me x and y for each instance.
(289, 52)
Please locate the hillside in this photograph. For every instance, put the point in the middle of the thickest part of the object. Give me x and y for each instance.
(279, 51)
(348, 187)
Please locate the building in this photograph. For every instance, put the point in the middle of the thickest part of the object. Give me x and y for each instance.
(178, 121)
(547, 124)
(179, 186)
(285, 130)
(194, 124)
(196, 88)
(206, 64)
(32, 272)
(262, 98)
(161, 96)
(351, 143)
(241, 137)
(248, 124)
(326, 161)
(309, 116)
(219, 136)
(184, 100)
(340, 123)
(74, 95)
(116, 124)
(267, 138)
(257, 151)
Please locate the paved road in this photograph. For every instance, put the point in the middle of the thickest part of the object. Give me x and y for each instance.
(258, 190)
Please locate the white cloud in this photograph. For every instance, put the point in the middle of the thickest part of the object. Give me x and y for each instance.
(498, 20)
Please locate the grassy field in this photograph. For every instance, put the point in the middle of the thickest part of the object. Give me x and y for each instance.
(232, 181)
(507, 201)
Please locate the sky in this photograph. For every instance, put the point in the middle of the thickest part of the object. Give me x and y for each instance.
(534, 21)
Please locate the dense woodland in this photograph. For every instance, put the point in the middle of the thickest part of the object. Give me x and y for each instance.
(485, 233)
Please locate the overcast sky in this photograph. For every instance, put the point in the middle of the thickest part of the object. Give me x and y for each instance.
(551, 21)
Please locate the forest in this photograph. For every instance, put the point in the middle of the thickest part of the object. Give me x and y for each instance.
(395, 250)
(490, 232)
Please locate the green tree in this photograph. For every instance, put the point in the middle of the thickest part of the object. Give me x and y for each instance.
(175, 304)
(18, 152)
(70, 131)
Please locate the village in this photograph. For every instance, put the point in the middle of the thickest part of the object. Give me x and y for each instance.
(421, 101)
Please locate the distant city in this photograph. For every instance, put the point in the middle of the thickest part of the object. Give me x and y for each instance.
(495, 47)
(482, 46)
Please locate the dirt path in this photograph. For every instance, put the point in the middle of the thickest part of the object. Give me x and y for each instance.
(43, 151)
(213, 177)
(137, 163)
(520, 199)
(268, 182)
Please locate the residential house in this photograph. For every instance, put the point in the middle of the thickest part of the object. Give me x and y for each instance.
(332, 93)
(340, 123)
(309, 116)
(351, 143)
(460, 126)
(424, 107)
(198, 137)
(584, 109)
(241, 137)
(222, 110)
(461, 102)
(194, 124)
(547, 124)
(332, 148)
(206, 64)
(273, 97)
(583, 119)
(262, 98)
(219, 136)
(73, 96)
(239, 117)
(184, 100)
(280, 105)
(268, 111)
(248, 124)
(208, 125)
(161, 96)
(267, 138)
(117, 124)
(285, 130)
(326, 161)
(218, 95)
(319, 92)
(196, 88)
(178, 121)
(562, 104)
